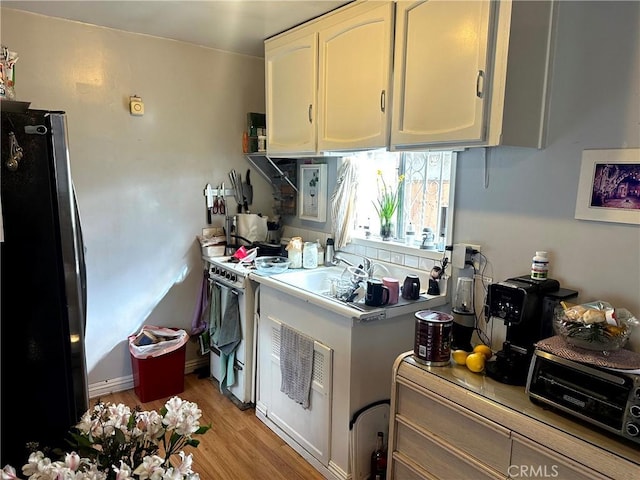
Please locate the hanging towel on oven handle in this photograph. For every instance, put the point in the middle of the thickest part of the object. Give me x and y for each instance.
(227, 334)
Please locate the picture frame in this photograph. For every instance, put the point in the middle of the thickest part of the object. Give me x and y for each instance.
(312, 193)
(609, 186)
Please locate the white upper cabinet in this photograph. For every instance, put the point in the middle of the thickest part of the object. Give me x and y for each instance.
(455, 74)
(471, 73)
(327, 82)
(291, 75)
(354, 81)
(440, 72)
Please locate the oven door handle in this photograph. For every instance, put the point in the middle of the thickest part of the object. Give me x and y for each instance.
(236, 365)
(234, 290)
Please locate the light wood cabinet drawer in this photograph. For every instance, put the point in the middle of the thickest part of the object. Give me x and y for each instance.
(439, 458)
(488, 442)
(403, 469)
(532, 461)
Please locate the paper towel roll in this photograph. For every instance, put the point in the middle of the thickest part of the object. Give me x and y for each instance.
(251, 226)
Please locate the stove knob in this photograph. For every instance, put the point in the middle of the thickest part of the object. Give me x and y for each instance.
(635, 410)
(632, 429)
(233, 277)
(227, 275)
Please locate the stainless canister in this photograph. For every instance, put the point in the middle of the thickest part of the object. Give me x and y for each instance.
(433, 338)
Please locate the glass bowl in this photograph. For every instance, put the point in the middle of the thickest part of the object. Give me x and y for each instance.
(594, 336)
(601, 336)
(271, 265)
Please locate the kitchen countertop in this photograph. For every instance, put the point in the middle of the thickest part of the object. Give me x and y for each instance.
(357, 311)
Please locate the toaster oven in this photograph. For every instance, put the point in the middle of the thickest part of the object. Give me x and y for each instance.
(607, 398)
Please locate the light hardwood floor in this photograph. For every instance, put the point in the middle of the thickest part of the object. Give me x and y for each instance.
(238, 446)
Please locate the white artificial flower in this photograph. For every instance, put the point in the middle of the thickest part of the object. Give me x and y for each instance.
(119, 415)
(149, 424)
(124, 472)
(38, 467)
(185, 466)
(149, 466)
(99, 426)
(182, 416)
(72, 461)
(9, 473)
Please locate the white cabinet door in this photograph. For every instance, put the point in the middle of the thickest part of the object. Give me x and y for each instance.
(440, 72)
(291, 73)
(309, 427)
(354, 80)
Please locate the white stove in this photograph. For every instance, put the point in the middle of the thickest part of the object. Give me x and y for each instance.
(231, 277)
(228, 271)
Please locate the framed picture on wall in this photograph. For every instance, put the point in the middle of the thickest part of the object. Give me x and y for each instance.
(312, 193)
(609, 187)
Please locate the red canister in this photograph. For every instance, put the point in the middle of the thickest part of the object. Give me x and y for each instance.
(433, 337)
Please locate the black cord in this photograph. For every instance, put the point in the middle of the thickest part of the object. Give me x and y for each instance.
(482, 332)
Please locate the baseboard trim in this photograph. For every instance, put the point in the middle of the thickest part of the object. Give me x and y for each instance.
(121, 384)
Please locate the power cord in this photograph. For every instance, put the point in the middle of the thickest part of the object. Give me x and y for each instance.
(482, 322)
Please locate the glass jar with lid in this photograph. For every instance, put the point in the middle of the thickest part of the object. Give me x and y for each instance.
(310, 255)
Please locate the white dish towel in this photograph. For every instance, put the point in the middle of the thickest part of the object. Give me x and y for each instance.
(296, 364)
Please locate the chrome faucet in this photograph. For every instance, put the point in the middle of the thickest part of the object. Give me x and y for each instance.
(337, 258)
(367, 265)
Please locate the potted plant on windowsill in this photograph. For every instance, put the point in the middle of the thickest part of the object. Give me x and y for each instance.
(386, 205)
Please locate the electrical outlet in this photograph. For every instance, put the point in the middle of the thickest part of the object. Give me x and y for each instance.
(475, 257)
(463, 255)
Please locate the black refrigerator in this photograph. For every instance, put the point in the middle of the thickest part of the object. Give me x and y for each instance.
(43, 304)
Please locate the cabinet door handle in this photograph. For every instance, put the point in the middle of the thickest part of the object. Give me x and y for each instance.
(383, 100)
(310, 111)
(480, 84)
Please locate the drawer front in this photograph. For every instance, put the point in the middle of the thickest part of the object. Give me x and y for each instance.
(488, 442)
(401, 470)
(439, 459)
(530, 460)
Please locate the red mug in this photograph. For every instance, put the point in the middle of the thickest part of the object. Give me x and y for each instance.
(393, 284)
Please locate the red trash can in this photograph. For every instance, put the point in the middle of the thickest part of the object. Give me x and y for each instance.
(158, 362)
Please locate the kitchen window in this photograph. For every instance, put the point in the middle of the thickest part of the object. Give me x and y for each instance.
(424, 184)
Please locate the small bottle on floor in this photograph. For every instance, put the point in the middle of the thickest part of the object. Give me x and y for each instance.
(379, 459)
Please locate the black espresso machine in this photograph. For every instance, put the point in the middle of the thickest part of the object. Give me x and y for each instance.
(527, 308)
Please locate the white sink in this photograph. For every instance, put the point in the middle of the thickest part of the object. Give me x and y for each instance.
(315, 281)
(314, 286)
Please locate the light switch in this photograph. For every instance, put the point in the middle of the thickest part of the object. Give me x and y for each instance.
(136, 107)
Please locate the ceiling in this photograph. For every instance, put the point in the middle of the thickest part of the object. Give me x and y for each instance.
(239, 26)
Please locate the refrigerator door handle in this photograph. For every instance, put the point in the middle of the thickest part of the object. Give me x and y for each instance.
(36, 129)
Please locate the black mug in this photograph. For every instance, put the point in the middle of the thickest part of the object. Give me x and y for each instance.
(411, 287)
(377, 293)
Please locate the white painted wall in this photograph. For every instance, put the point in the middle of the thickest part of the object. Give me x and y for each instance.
(139, 180)
(529, 203)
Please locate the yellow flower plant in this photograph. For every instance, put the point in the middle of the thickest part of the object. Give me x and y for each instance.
(387, 200)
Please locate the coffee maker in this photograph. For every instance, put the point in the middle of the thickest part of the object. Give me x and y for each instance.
(527, 307)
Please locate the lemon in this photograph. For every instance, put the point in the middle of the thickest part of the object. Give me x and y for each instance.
(459, 356)
(475, 362)
(484, 349)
